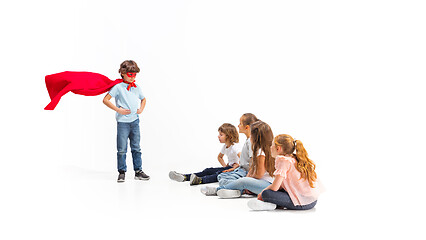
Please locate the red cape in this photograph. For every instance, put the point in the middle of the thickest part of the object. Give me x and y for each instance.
(83, 83)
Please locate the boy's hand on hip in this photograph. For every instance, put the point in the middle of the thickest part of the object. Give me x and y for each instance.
(123, 111)
(139, 111)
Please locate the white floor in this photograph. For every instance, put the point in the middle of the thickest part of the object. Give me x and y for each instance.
(69, 202)
(342, 76)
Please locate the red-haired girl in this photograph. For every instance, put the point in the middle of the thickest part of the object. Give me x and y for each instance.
(295, 186)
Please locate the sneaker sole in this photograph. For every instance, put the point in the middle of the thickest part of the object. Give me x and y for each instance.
(176, 177)
(208, 192)
(227, 193)
(121, 181)
(144, 179)
(258, 205)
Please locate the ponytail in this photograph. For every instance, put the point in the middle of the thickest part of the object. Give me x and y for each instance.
(304, 165)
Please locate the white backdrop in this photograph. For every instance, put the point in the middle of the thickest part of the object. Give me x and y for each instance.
(345, 78)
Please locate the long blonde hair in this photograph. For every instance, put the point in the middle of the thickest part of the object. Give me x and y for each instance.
(304, 165)
(261, 137)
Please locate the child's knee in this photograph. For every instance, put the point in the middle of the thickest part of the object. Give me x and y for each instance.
(136, 150)
(267, 194)
(122, 152)
(223, 181)
(220, 176)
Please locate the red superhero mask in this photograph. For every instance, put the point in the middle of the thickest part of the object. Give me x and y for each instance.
(130, 74)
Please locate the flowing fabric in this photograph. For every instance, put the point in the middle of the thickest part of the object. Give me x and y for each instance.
(83, 83)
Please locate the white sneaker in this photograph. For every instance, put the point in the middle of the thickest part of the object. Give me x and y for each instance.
(257, 205)
(209, 191)
(176, 176)
(229, 193)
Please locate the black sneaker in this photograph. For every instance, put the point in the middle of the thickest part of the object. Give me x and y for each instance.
(140, 175)
(195, 180)
(121, 177)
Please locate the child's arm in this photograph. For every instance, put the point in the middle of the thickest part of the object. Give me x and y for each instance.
(274, 186)
(109, 104)
(234, 166)
(250, 172)
(220, 159)
(260, 168)
(143, 103)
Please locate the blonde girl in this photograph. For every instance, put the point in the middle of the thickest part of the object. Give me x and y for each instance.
(295, 186)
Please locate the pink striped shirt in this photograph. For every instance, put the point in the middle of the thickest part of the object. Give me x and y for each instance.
(298, 188)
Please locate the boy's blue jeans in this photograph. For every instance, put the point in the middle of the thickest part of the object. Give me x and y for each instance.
(128, 131)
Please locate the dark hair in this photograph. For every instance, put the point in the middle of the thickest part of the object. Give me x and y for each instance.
(261, 139)
(230, 131)
(128, 66)
(248, 118)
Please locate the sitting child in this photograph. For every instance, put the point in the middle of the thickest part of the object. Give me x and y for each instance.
(229, 136)
(260, 174)
(246, 155)
(295, 186)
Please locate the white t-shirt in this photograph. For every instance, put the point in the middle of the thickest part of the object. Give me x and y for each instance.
(231, 153)
(266, 177)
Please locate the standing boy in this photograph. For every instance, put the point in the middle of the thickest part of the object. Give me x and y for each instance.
(130, 102)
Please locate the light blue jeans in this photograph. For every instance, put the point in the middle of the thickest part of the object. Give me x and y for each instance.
(252, 184)
(225, 178)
